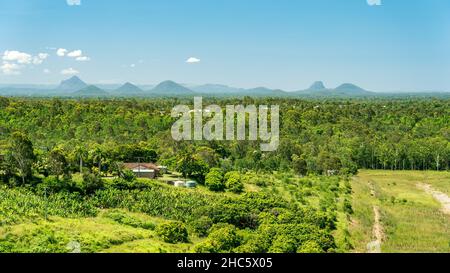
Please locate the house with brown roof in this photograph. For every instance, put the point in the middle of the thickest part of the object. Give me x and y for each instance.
(143, 170)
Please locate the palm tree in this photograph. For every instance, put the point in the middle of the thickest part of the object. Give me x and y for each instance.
(81, 152)
(97, 156)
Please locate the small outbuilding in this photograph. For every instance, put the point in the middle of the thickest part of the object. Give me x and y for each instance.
(143, 170)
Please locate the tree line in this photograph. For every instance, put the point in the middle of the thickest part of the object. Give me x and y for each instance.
(58, 137)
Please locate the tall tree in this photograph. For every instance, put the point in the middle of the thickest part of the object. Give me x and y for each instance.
(21, 155)
(189, 165)
(57, 163)
(80, 153)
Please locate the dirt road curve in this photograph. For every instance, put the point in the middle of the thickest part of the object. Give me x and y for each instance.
(439, 196)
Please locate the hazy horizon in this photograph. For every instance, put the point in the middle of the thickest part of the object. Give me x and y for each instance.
(379, 45)
(193, 85)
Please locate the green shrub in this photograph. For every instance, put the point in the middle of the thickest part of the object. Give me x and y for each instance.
(261, 183)
(201, 226)
(214, 180)
(347, 187)
(233, 182)
(128, 175)
(310, 247)
(91, 183)
(172, 232)
(347, 206)
(233, 212)
(52, 184)
(287, 238)
(283, 244)
(124, 184)
(251, 246)
(222, 238)
(125, 219)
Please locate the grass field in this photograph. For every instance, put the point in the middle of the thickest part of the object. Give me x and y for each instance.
(116, 231)
(412, 219)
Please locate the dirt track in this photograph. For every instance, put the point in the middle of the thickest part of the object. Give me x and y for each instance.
(439, 196)
(378, 234)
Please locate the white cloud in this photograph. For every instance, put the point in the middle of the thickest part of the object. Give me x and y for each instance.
(10, 68)
(61, 52)
(69, 71)
(17, 56)
(75, 54)
(14, 61)
(192, 60)
(42, 56)
(73, 2)
(83, 59)
(39, 59)
(374, 2)
(46, 71)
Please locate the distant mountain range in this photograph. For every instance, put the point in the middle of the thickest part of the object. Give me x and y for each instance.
(318, 89)
(216, 89)
(73, 84)
(75, 87)
(129, 89)
(171, 88)
(317, 86)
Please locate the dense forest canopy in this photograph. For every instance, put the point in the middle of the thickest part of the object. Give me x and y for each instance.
(316, 135)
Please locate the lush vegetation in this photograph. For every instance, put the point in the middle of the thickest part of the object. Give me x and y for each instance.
(316, 136)
(61, 168)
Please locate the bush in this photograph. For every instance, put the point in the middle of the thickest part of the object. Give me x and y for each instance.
(310, 247)
(91, 183)
(124, 219)
(52, 184)
(214, 180)
(123, 184)
(283, 244)
(222, 238)
(128, 175)
(290, 238)
(261, 183)
(233, 182)
(173, 232)
(201, 226)
(233, 212)
(348, 206)
(349, 168)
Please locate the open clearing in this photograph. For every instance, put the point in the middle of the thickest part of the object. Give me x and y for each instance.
(439, 196)
(413, 218)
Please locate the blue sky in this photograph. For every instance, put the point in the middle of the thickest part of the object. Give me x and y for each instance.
(380, 45)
